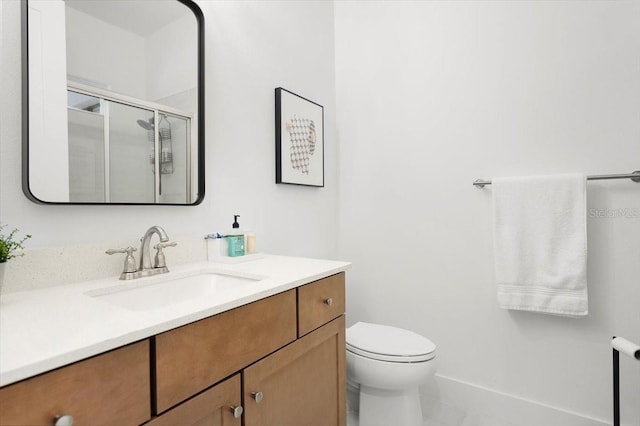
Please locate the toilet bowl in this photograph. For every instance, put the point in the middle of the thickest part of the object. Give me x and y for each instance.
(385, 367)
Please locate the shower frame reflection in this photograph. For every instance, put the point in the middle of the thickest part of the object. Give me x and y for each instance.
(159, 156)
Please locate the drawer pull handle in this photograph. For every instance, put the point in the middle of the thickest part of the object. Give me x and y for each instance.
(257, 396)
(64, 420)
(328, 301)
(237, 411)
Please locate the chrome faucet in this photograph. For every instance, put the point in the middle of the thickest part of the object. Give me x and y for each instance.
(146, 269)
(145, 250)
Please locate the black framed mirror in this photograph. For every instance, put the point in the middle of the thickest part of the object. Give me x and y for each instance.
(113, 102)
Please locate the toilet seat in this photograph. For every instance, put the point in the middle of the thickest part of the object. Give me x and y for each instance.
(390, 344)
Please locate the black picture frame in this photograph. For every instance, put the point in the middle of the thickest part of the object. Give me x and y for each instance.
(299, 140)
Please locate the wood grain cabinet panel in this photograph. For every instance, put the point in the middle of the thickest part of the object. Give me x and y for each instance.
(213, 407)
(189, 359)
(319, 302)
(108, 389)
(302, 384)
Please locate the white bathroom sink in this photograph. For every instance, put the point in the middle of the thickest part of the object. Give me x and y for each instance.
(161, 291)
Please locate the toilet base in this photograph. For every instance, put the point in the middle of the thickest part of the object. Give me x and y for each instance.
(381, 407)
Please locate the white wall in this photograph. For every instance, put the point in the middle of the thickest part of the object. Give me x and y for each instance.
(171, 59)
(432, 95)
(105, 55)
(248, 54)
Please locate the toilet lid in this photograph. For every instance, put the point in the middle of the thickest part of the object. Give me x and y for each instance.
(387, 343)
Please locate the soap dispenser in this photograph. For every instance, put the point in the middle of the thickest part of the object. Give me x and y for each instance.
(235, 239)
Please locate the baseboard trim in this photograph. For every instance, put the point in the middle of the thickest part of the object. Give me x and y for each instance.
(452, 398)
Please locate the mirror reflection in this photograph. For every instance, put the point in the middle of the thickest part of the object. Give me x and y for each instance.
(113, 102)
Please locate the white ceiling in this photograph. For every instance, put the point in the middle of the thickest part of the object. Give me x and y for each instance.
(142, 17)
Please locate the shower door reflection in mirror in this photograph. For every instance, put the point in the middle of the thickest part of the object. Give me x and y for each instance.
(115, 149)
(130, 174)
(114, 101)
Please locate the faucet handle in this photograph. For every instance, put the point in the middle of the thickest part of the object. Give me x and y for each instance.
(160, 261)
(129, 261)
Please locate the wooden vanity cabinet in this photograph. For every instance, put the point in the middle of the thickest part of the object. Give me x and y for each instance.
(108, 389)
(289, 348)
(282, 357)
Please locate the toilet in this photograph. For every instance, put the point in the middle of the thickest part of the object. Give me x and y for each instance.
(385, 367)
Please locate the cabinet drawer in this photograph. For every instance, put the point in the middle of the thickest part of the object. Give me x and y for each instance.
(320, 302)
(189, 359)
(213, 407)
(109, 389)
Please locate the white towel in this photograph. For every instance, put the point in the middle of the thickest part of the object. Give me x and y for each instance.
(540, 243)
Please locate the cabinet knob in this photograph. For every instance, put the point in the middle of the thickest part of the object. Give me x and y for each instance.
(257, 396)
(328, 301)
(63, 420)
(237, 411)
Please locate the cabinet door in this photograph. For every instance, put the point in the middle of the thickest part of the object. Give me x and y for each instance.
(213, 407)
(301, 384)
(108, 389)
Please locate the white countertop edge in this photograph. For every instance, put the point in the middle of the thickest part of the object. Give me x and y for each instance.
(22, 372)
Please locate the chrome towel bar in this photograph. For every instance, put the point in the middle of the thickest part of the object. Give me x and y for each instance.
(635, 176)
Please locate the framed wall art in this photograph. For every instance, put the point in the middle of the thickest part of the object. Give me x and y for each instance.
(299, 140)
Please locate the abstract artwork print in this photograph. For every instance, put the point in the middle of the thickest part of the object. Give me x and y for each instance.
(302, 134)
(299, 140)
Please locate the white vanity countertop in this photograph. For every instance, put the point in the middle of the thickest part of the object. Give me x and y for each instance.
(45, 329)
